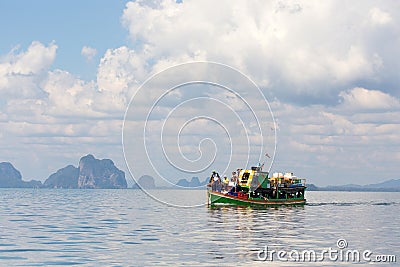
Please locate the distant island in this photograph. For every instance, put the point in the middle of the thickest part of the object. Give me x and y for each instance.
(194, 183)
(12, 178)
(392, 185)
(91, 173)
(147, 182)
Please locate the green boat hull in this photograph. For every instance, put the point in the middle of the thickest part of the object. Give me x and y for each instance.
(219, 198)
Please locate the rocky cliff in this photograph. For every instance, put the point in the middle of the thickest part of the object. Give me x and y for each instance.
(9, 176)
(12, 178)
(91, 173)
(95, 173)
(66, 177)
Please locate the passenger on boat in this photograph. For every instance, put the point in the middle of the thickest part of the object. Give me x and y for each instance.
(219, 184)
(213, 175)
(216, 181)
(233, 182)
(226, 183)
(234, 177)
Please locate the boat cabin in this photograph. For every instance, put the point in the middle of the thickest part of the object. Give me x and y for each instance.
(258, 184)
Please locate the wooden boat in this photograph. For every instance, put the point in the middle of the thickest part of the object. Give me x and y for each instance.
(255, 187)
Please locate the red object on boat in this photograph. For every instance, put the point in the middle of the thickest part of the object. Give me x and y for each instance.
(242, 195)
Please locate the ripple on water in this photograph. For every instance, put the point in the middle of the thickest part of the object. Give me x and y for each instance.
(126, 228)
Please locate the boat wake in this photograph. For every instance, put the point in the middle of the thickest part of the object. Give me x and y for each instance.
(353, 204)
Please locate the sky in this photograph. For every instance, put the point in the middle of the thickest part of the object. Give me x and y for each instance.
(328, 70)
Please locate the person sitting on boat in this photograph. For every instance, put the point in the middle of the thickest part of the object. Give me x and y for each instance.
(225, 182)
(233, 182)
(218, 184)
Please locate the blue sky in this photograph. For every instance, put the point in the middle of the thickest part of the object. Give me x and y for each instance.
(68, 71)
(71, 24)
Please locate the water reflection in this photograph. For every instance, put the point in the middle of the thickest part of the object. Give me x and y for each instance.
(250, 228)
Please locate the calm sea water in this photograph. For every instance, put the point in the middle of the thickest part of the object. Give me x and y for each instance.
(127, 228)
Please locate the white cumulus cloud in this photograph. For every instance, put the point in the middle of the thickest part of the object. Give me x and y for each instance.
(292, 48)
(88, 52)
(379, 17)
(364, 99)
(22, 71)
